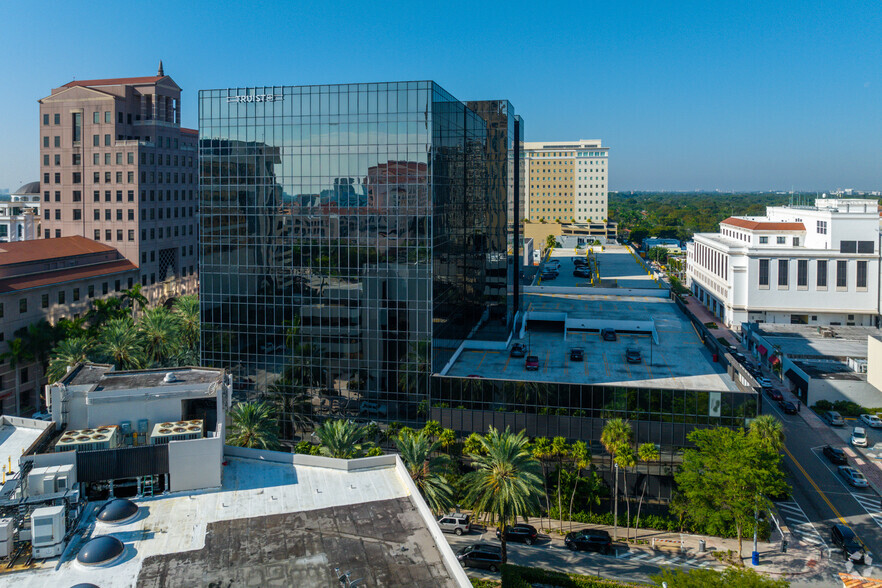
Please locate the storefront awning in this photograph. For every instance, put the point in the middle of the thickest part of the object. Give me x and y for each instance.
(774, 360)
(797, 380)
(762, 349)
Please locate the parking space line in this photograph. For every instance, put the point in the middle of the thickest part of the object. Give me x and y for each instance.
(506, 364)
(483, 357)
(545, 367)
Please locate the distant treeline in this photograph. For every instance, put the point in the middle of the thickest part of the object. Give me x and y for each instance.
(678, 215)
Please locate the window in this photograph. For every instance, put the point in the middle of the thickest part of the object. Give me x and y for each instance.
(764, 273)
(119, 235)
(131, 215)
(77, 178)
(131, 234)
(822, 227)
(76, 294)
(76, 119)
(107, 214)
(104, 288)
(848, 247)
(97, 235)
(783, 270)
(96, 117)
(861, 274)
(91, 291)
(108, 236)
(130, 157)
(45, 119)
(107, 117)
(57, 141)
(61, 297)
(116, 286)
(796, 241)
(130, 196)
(841, 274)
(119, 215)
(77, 196)
(96, 140)
(57, 214)
(866, 247)
(44, 301)
(22, 305)
(77, 214)
(802, 273)
(1, 310)
(107, 140)
(96, 214)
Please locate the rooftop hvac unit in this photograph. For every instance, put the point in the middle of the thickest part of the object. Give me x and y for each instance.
(7, 537)
(47, 531)
(176, 431)
(89, 439)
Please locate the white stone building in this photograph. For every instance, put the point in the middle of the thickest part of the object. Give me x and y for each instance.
(816, 265)
(20, 215)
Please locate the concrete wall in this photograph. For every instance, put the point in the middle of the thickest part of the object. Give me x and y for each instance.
(857, 391)
(195, 464)
(874, 362)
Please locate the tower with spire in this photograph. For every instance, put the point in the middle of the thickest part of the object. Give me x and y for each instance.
(160, 72)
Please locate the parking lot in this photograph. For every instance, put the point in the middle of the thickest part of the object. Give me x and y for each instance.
(678, 361)
(617, 268)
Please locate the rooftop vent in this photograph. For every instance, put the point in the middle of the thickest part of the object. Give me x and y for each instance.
(118, 511)
(100, 550)
(170, 377)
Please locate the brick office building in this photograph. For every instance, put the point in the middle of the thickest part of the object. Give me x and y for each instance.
(117, 167)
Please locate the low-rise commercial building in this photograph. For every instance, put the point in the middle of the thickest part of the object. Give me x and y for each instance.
(809, 265)
(49, 279)
(20, 215)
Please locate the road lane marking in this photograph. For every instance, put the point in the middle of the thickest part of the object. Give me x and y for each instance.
(815, 486)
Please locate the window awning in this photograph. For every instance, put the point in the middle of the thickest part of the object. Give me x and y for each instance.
(797, 380)
(774, 360)
(762, 349)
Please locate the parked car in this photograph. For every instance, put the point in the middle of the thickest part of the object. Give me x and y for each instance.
(871, 420)
(520, 532)
(582, 272)
(608, 334)
(739, 357)
(859, 437)
(458, 523)
(773, 394)
(835, 454)
(589, 540)
(580, 261)
(548, 275)
(787, 407)
(632, 355)
(853, 477)
(518, 350)
(844, 538)
(764, 382)
(834, 419)
(577, 354)
(481, 555)
(532, 363)
(553, 263)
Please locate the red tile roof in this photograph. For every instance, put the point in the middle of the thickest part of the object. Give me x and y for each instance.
(16, 283)
(762, 225)
(40, 249)
(114, 81)
(189, 131)
(850, 581)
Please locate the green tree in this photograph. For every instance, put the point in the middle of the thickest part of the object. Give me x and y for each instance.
(186, 309)
(17, 355)
(616, 439)
(506, 481)
(120, 344)
(560, 450)
(447, 439)
(161, 334)
(550, 241)
(427, 470)
(581, 455)
(103, 310)
(767, 429)
(342, 439)
(38, 339)
(728, 578)
(133, 298)
(473, 444)
(728, 476)
(541, 449)
(254, 425)
(67, 353)
(646, 452)
(432, 429)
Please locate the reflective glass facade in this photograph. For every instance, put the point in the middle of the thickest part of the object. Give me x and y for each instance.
(352, 237)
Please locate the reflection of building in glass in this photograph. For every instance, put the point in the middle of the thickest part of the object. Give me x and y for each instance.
(352, 241)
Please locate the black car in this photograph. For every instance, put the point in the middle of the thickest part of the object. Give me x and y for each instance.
(580, 261)
(787, 406)
(835, 455)
(520, 532)
(518, 350)
(739, 357)
(548, 275)
(582, 272)
(577, 354)
(481, 555)
(608, 334)
(844, 538)
(773, 394)
(589, 540)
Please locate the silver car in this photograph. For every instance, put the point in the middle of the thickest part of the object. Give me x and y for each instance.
(871, 420)
(854, 477)
(859, 437)
(834, 418)
(458, 523)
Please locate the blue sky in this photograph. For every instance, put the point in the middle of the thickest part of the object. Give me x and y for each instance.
(688, 95)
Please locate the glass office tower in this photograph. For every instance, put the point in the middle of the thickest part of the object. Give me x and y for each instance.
(351, 239)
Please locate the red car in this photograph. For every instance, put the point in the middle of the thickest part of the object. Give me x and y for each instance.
(532, 362)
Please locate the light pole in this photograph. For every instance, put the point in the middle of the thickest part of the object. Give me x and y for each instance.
(616, 508)
(754, 557)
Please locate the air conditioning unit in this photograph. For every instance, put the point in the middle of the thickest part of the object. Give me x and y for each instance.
(175, 431)
(89, 439)
(7, 537)
(47, 531)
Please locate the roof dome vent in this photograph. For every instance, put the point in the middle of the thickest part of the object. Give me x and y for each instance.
(170, 377)
(101, 550)
(118, 511)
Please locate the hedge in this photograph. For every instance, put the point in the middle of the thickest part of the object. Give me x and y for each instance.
(520, 577)
(844, 407)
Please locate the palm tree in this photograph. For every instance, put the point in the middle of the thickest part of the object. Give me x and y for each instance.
(473, 444)
(447, 439)
(120, 344)
(17, 354)
(646, 453)
(541, 449)
(559, 450)
(161, 332)
(68, 328)
(67, 353)
(104, 309)
(427, 471)
(616, 439)
(293, 401)
(133, 297)
(432, 429)
(186, 308)
(253, 425)
(38, 339)
(342, 439)
(506, 483)
(581, 460)
(768, 430)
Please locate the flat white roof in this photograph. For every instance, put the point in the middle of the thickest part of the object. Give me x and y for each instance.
(16, 436)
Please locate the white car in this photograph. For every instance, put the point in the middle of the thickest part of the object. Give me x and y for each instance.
(871, 420)
(764, 382)
(859, 437)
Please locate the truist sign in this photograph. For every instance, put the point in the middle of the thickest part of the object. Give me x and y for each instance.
(257, 98)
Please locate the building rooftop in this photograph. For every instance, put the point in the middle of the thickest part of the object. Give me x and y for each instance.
(43, 249)
(808, 341)
(678, 361)
(30, 188)
(755, 224)
(16, 283)
(19, 436)
(115, 81)
(830, 370)
(103, 377)
(271, 523)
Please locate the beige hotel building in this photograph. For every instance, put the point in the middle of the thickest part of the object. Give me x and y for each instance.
(567, 180)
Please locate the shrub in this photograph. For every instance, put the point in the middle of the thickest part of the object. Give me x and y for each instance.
(520, 577)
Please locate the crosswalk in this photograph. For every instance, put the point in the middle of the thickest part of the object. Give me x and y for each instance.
(800, 527)
(870, 503)
(666, 559)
